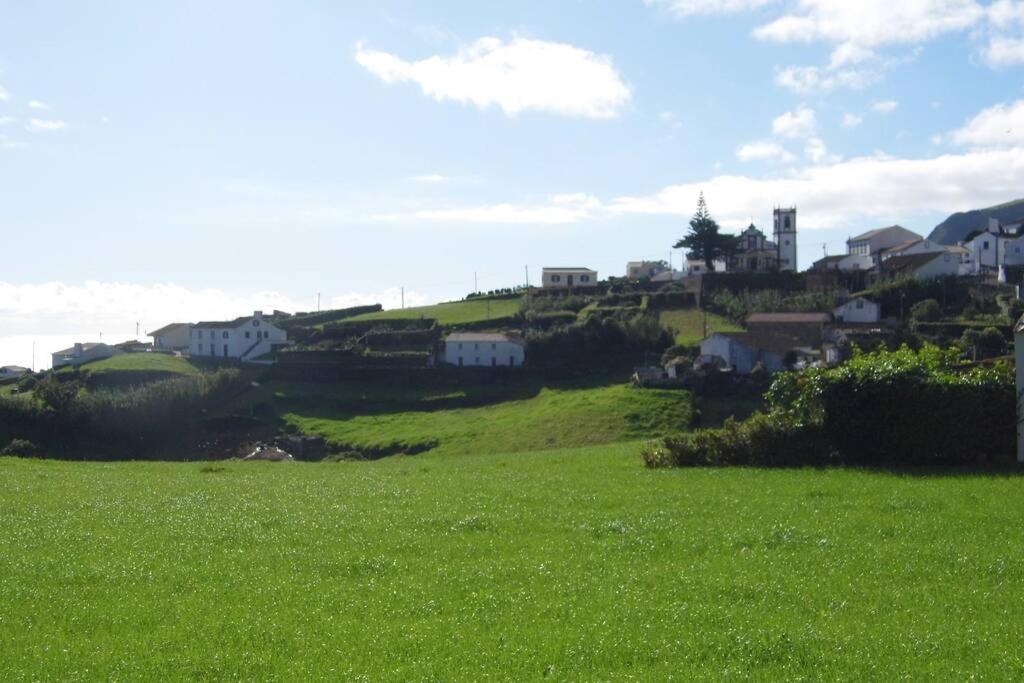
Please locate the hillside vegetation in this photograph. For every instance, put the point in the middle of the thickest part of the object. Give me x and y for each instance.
(523, 415)
(570, 565)
(453, 313)
(688, 324)
(136, 362)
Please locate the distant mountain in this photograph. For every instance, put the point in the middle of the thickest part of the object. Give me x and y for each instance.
(955, 228)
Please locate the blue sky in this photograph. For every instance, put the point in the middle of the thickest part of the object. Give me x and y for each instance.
(182, 160)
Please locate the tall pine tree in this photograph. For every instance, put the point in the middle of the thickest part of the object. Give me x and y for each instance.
(704, 240)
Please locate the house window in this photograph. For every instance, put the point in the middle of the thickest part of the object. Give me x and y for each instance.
(556, 278)
(199, 334)
(460, 348)
(984, 245)
(584, 278)
(494, 362)
(225, 334)
(860, 304)
(460, 361)
(786, 222)
(477, 361)
(512, 360)
(200, 347)
(266, 334)
(255, 323)
(494, 347)
(246, 334)
(476, 347)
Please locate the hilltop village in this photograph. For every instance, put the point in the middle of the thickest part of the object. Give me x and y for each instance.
(756, 311)
(719, 329)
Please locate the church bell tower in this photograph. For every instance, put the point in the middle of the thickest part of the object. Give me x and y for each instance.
(785, 238)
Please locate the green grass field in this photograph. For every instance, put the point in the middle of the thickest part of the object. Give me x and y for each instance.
(454, 313)
(522, 415)
(689, 324)
(569, 565)
(138, 362)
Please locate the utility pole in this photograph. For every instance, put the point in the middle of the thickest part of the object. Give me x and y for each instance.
(527, 268)
(33, 355)
(318, 302)
(476, 287)
(136, 330)
(403, 298)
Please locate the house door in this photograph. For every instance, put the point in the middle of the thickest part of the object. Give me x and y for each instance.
(225, 350)
(570, 282)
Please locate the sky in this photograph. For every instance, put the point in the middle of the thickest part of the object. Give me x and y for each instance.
(177, 161)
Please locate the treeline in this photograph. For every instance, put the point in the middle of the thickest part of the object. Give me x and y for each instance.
(886, 408)
(62, 419)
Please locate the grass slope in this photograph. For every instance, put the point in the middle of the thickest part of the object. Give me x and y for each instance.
(137, 362)
(484, 419)
(454, 313)
(689, 324)
(572, 565)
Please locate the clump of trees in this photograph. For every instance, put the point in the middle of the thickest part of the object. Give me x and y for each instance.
(885, 408)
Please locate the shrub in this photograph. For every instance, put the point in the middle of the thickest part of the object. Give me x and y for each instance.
(762, 440)
(21, 448)
(57, 395)
(27, 383)
(887, 408)
(927, 311)
(986, 343)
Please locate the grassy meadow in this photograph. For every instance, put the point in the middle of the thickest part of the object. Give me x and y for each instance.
(453, 313)
(567, 565)
(688, 324)
(136, 362)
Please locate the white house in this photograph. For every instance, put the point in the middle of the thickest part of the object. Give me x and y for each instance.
(645, 270)
(173, 337)
(855, 262)
(872, 242)
(859, 310)
(742, 351)
(484, 349)
(922, 266)
(83, 353)
(916, 246)
(13, 372)
(568, 278)
(245, 338)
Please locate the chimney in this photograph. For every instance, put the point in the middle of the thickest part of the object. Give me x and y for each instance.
(258, 315)
(78, 348)
(993, 226)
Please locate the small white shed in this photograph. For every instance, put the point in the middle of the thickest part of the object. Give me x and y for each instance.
(859, 310)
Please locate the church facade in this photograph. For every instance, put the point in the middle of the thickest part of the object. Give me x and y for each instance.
(755, 253)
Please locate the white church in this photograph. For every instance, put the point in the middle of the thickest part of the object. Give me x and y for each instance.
(755, 253)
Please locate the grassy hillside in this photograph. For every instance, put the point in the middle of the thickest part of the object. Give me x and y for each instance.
(137, 362)
(524, 415)
(689, 324)
(570, 565)
(454, 313)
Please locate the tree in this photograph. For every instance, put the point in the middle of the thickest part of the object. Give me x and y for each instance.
(704, 241)
(926, 311)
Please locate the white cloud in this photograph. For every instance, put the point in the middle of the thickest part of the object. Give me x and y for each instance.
(851, 194)
(1006, 13)
(817, 152)
(686, 8)
(870, 23)
(517, 76)
(885, 106)
(36, 104)
(1001, 125)
(813, 79)
(764, 150)
(7, 120)
(4, 96)
(56, 314)
(795, 124)
(849, 53)
(45, 125)
(1003, 51)
(852, 120)
(671, 119)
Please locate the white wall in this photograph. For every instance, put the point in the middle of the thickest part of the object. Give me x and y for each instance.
(858, 311)
(856, 262)
(178, 338)
(253, 337)
(559, 279)
(98, 352)
(946, 264)
(484, 354)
